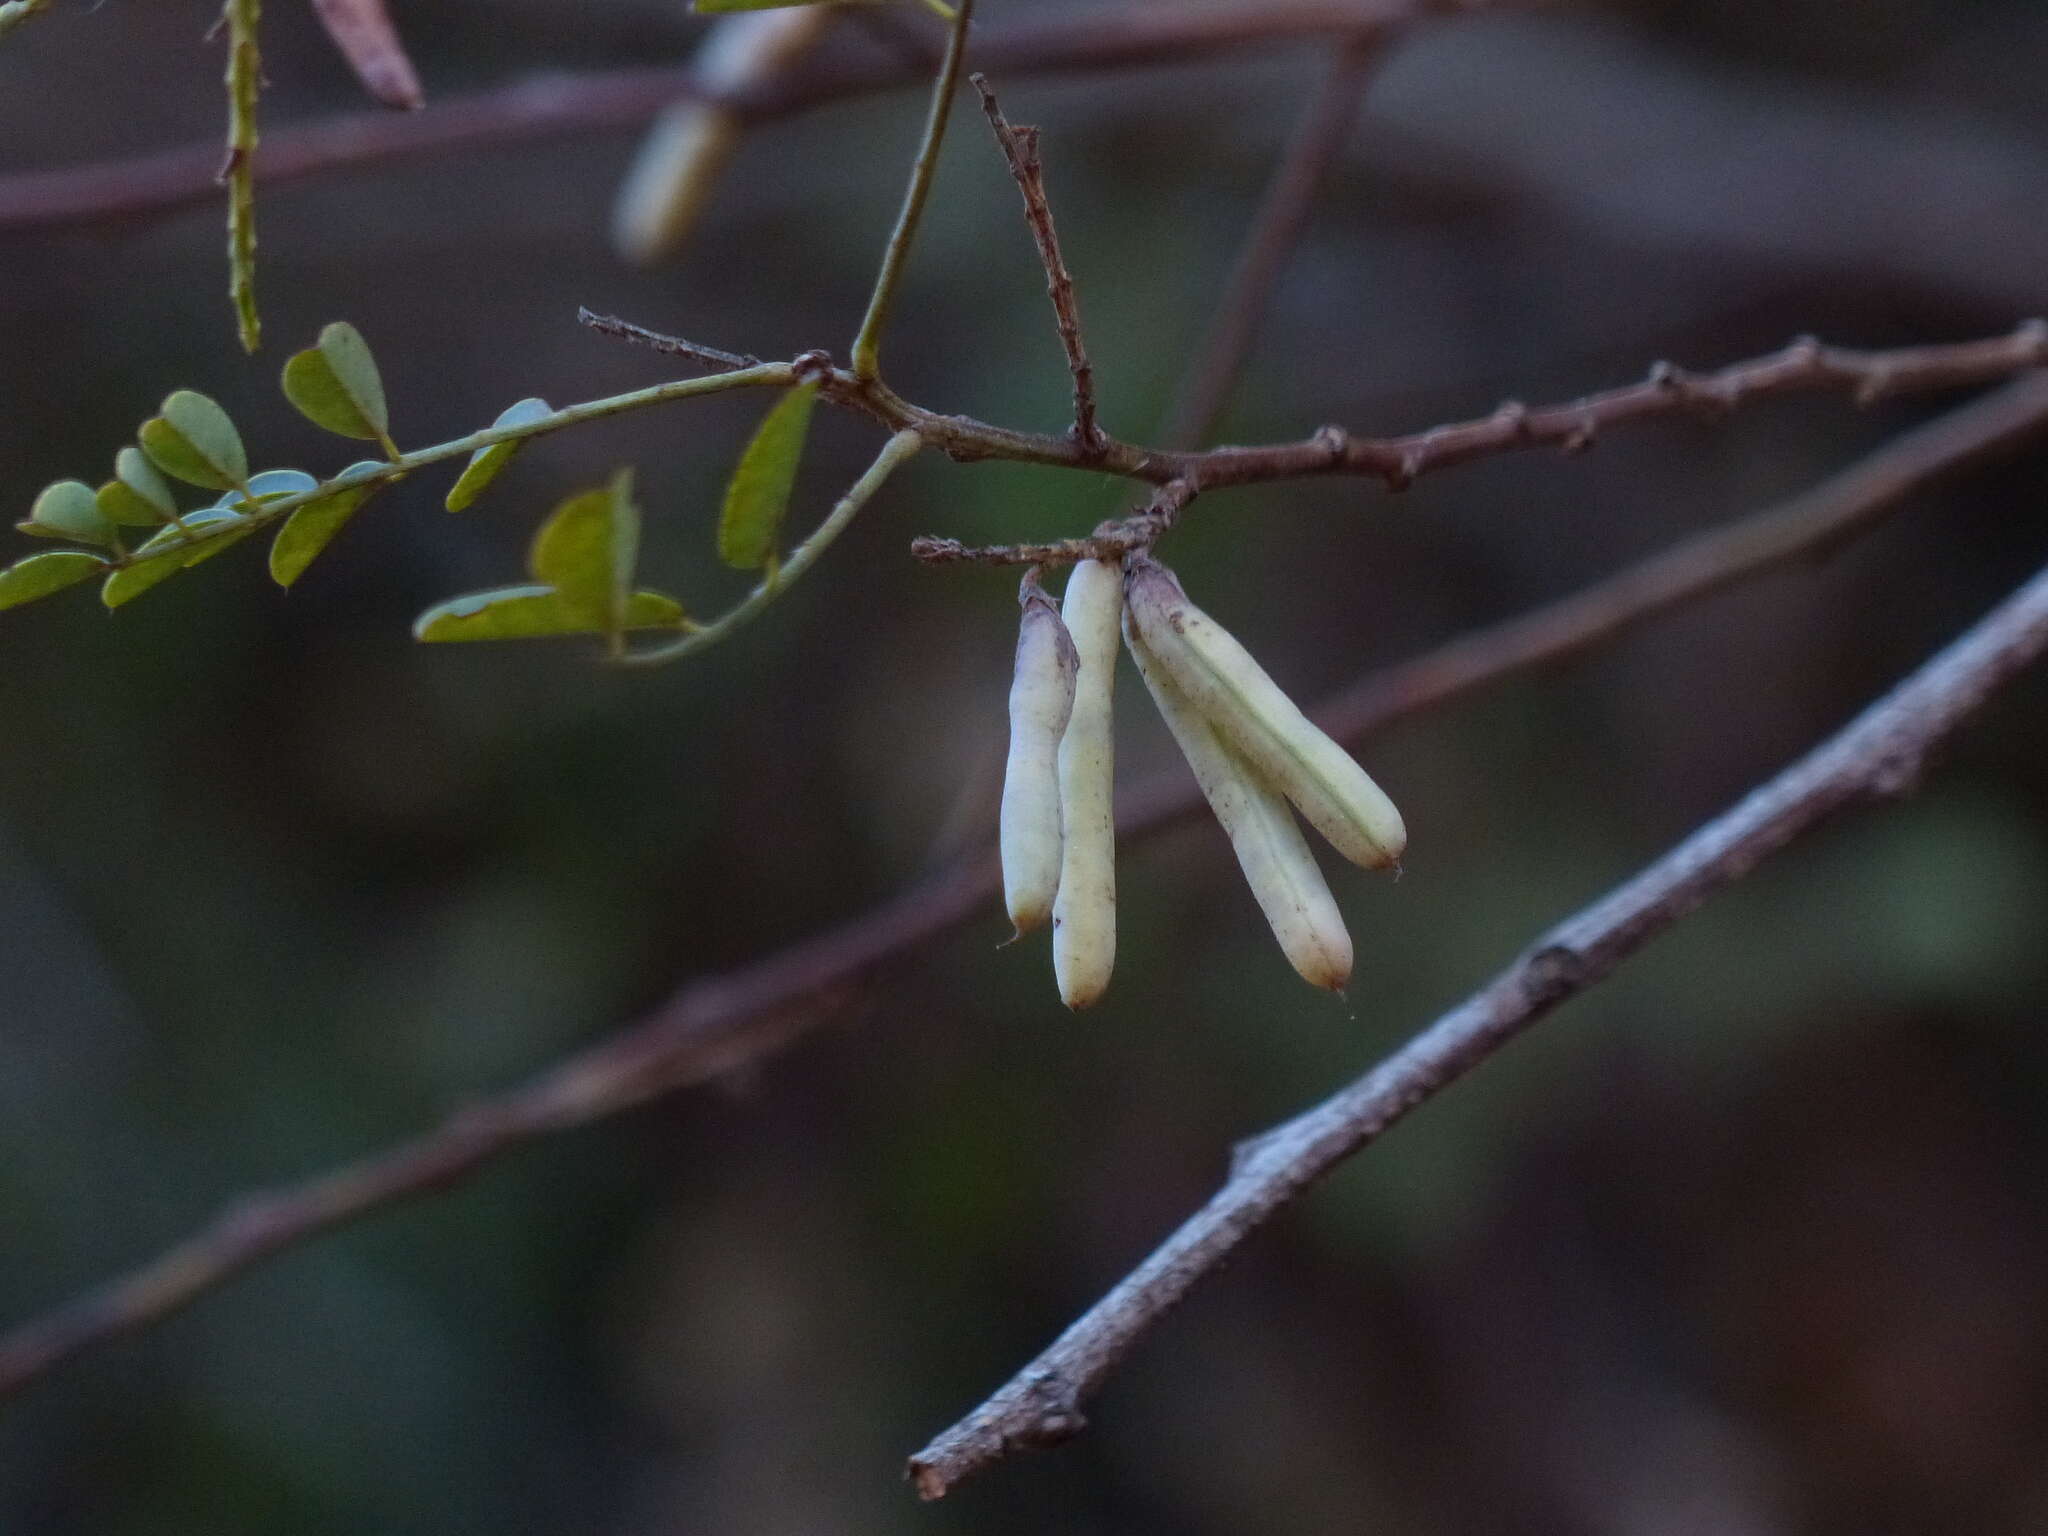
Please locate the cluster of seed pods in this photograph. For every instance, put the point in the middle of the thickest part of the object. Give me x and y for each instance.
(1252, 750)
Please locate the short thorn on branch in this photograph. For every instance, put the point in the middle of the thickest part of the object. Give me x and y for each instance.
(625, 330)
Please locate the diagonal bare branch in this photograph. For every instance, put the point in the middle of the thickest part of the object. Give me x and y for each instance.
(1880, 755)
(720, 1023)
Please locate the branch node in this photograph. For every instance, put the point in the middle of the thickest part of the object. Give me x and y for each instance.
(1512, 417)
(1553, 972)
(1334, 441)
(1898, 773)
(815, 364)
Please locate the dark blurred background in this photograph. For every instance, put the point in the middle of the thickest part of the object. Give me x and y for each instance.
(1752, 1240)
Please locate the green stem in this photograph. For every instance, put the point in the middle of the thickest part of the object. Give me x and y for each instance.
(782, 578)
(569, 416)
(245, 81)
(867, 346)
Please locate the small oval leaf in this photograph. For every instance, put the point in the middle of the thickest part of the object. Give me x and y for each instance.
(212, 530)
(486, 464)
(119, 504)
(335, 385)
(587, 551)
(40, 575)
(312, 527)
(70, 510)
(534, 612)
(133, 469)
(194, 441)
(757, 498)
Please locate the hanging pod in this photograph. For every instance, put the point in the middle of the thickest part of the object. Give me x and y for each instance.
(1282, 872)
(1251, 713)
(1084, 911)
(1041, 702)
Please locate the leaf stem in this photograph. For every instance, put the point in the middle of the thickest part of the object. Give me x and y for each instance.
(867, 346)
(780, 579)
(460, 447)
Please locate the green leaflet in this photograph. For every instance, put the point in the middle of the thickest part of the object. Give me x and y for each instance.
(212, 531)
(142, 488)
(335, 385)
(194, 441)
(312, 527)
(40, 575)
(587, 551)
(119, 504)
(486, 464)
(70, 510)
(533, 612)
(757, 497)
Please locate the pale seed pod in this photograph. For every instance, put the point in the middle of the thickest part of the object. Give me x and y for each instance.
(1084, 912)
(1283, 874)
(1041, 701)
(1249, 710)
(680, 160)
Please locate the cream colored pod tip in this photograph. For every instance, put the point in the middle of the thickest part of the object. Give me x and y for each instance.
(1041, 702)
(1251, 713)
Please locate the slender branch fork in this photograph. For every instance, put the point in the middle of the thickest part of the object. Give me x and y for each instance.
(723, 1022)
(1020, 152)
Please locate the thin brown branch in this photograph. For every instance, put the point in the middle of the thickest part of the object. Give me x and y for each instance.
(1277, 229)
(1572, 427)
(717, 1024)
(554, 106)
(674, 346)
(1880, 755)
(1020, 153)
(362, 30)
